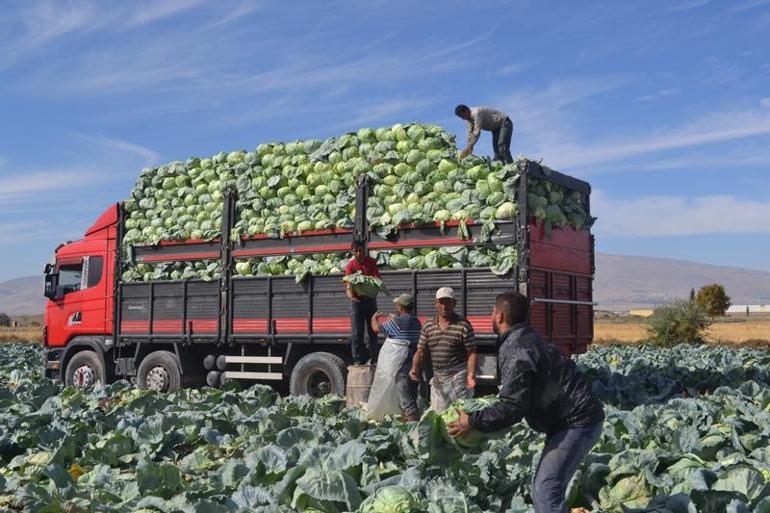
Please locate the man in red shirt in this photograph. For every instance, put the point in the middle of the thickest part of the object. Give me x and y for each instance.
(362, 308)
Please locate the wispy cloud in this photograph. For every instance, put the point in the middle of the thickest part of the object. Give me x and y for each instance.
(686, 5)
(107, 158)
(680, 215)
(510, 69)
(656, 96)
(149, 156)
(210, 72)
(38, 24)
(234, 14)
(745, 157)
(22, 186)
(542, 117)
(392, 108)
(208, 81)
(15, 232)
(712, 128)
(746, 6)
(145, 13)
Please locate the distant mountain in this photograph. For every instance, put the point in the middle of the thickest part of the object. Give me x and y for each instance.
(622, 283)
(22, 296)
(626, 282)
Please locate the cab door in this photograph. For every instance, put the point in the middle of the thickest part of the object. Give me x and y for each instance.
(79, 307)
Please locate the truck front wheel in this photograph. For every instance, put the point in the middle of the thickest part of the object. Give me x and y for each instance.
(84, 370)
(159, 371)
(318, 374)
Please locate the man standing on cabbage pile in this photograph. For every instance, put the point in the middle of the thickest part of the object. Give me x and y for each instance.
(486, 118)
(362, 308)
(543, 386)
(449, 342)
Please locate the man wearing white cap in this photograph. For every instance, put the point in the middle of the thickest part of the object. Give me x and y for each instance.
(449, 341)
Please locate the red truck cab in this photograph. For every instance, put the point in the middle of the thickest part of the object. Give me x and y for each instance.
(79, 285)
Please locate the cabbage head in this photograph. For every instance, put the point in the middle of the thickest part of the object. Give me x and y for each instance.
(474, 439)
(390, 499)
(367, 286)
(505, 211)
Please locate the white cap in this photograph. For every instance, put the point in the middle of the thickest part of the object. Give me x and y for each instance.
(445, 292)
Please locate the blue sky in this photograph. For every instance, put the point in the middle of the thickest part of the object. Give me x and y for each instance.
(663, 106)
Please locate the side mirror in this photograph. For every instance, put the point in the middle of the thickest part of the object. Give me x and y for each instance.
(51, 284)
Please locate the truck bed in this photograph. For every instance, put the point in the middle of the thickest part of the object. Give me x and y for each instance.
(275, 308)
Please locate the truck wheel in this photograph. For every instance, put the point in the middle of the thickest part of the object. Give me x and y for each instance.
(318, 374)
(84, 370)
(159, 371)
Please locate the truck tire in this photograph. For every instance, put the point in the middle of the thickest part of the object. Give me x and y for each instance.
(159, 371)
(318, 374)
(214, 378)
(85, 369)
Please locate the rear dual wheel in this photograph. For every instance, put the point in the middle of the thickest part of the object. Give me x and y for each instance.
(159, 371)
(318, 374)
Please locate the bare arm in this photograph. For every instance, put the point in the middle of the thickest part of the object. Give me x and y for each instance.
(472, 359)
(417, 363)
(376, 326)
(350, 292)
(474, 132)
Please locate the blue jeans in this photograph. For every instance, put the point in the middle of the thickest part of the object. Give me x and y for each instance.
(562, 455)
(361, 313)
(407, 389)
(501, 142)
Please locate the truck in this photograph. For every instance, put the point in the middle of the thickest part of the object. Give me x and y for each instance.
(271, 329)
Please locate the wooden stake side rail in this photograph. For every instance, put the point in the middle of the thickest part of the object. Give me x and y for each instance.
(326, 241)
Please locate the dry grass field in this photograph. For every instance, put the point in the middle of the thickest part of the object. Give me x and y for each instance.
(730, 331)
(23, 334)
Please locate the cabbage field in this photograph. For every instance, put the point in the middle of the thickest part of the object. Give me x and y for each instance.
(291, 188)
(687, 430)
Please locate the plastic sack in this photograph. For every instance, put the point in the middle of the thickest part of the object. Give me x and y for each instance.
(383, 396)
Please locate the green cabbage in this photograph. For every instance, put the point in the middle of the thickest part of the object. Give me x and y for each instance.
(390, 499)
(366, 286)
(289, 188)
(473, 439)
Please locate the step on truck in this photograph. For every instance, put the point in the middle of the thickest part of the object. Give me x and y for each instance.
(270, 329)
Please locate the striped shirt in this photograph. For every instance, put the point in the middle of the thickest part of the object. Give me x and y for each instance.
(403, 327)
(449, 347)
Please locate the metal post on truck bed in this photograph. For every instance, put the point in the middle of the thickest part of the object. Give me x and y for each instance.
(226, 258)
(117, 279)
(522, 233)
(360, 223)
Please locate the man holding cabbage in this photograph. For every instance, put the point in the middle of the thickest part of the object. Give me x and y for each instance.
(362, 306)
(543, 386)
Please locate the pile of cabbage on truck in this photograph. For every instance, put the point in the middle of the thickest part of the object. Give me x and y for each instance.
(287, 189)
